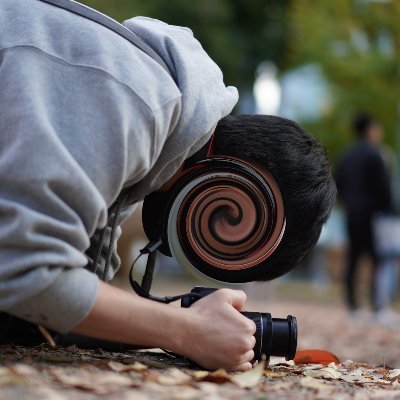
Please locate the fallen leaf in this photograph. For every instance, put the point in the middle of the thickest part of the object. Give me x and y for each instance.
(7, 377)
(252, 378)
(311, 367)
(274, 362)
(218, 376)
(199, 375)
(150, 363)
(119, 367)
(327, 372)
(152, 376)
(274, 374)
(24, 370)
(174, 377)
(103, 382)
(394, 374)
(282, 368)
(363, 379)
(315, 357)
(357, 372)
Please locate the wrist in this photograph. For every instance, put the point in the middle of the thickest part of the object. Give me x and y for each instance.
(182, 331)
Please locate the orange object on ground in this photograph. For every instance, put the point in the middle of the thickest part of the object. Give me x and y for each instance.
(315, 357)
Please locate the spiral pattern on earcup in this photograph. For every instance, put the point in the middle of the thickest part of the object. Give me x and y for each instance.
(230, 219)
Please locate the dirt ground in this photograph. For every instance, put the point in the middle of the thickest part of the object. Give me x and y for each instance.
(70, 373)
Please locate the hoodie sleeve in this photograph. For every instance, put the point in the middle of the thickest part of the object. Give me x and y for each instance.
(65, 136)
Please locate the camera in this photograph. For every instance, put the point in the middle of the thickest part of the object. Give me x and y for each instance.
(274, 336)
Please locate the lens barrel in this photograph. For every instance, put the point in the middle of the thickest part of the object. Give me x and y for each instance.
(274, 336)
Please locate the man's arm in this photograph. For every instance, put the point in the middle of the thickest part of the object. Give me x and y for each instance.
(212, 332)
(379, 183)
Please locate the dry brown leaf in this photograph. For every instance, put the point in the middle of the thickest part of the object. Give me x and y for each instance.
(393, 374)
(357, 372)
(119, 367)
(100, 382)
(174, 376)
(6, 377)
(274, 374)
(199, 375)
(17, 374)
(151, 376)
(311, 367)
(218, 376)
(246, 379)
(275, 362)
(327, 372)
(252, 378)
(363, 379)
(282, 368)
(24, 370)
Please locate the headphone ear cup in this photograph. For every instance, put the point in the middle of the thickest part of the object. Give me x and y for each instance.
(224, 220)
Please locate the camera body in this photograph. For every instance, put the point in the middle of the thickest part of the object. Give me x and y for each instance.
(274, 336)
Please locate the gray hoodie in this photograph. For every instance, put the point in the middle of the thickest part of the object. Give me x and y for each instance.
(84, 114)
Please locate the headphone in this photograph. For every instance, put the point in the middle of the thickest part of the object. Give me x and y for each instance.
(224, 218)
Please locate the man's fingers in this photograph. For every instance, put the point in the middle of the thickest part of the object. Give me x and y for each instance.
(243, 367)
(248, 356)
(235, 297)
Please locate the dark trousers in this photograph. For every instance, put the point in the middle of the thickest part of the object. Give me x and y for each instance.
(360, 243)
(17, 331)
(14, 330)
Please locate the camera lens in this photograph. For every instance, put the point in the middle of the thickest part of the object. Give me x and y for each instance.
(274, 336)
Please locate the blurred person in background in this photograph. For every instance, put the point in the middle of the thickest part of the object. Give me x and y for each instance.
(364, 191)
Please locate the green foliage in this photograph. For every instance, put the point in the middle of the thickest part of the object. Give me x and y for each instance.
(237, 34)
(357, 44)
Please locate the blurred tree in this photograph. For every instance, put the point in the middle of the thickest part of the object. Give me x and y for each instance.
(357, 44)
(238, 34)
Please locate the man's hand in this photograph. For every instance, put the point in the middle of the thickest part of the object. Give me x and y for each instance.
(217, 335)
(211, 332)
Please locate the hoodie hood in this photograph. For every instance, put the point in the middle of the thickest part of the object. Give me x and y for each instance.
(204, 97)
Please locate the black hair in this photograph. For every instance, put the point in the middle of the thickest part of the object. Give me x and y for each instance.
(300, 165)
(361, 123)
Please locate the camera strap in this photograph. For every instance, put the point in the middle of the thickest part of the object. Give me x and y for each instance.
(143, 290)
